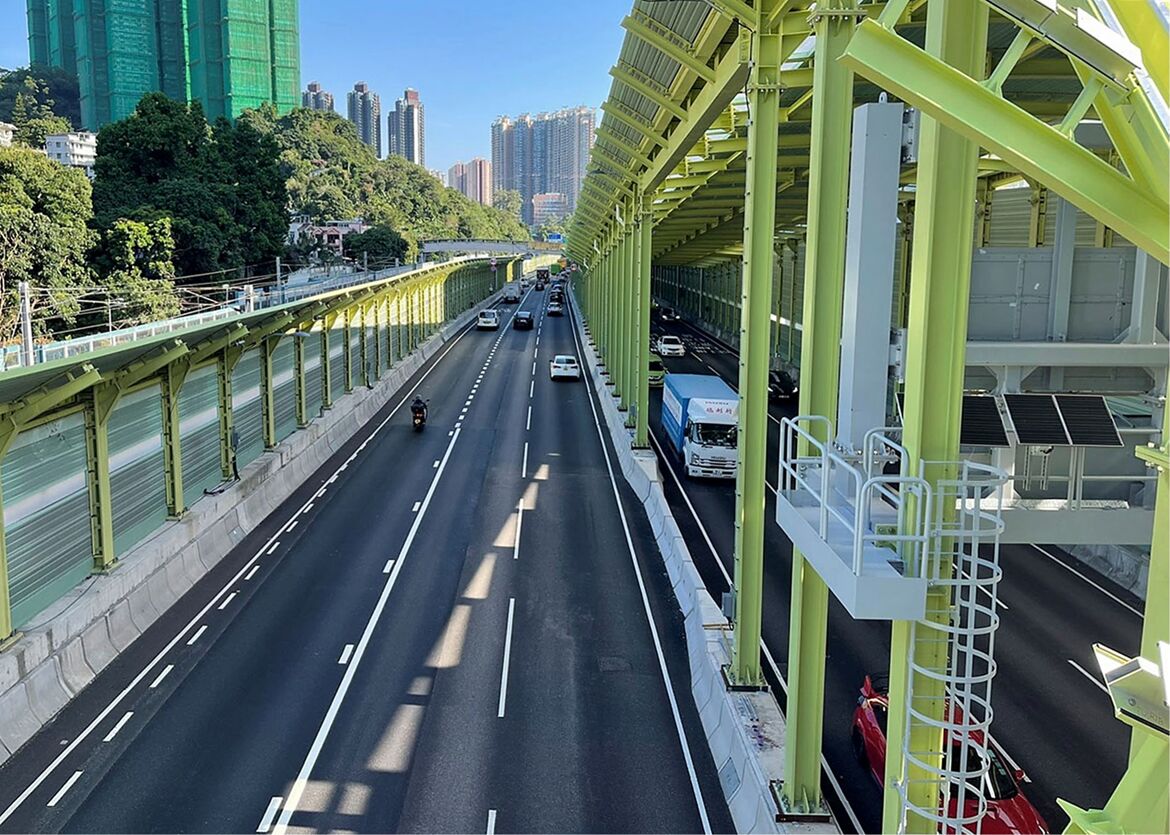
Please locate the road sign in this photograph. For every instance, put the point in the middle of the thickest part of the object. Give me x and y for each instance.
(555, 238)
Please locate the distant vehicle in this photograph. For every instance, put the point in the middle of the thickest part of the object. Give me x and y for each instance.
(555, 309)
(523, 320)
(699, 414)
(657, 372)
(669, 314)
(564, 367)
(781, 386)
(1009, 812)
(512, 293)
(488, 320)
(670, 346)
(539, 285)
(542, 274)
(556, 296)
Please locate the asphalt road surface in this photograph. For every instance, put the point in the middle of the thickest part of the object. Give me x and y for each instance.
(440, 631)
(1052, 714)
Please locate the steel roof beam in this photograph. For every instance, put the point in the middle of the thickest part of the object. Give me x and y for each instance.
(614, 111)
(642, 30)
(638, 86)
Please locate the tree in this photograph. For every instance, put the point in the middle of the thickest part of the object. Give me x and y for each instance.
(509, 201)
(45, 209)
(379, 244)
(135, 261)
(53, 91)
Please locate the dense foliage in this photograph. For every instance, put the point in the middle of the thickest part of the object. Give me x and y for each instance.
(332, 175)
(380, 245)
(37, 93)
(221, 186)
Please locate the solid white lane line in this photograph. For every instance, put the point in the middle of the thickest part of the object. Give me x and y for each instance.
(198, 634)
(61, 791)
(663, 670)
(507, 659)
(274, 546)
(227, 600)
(528, 422)
(150, 667)
(763, 646)
(345, 654)
(1089, 676)
(389, 565)
(269, 814)
(1098, 587)
(114, 730)
(519, 522)
(166, 670)
(302, 779)
(251, 572)
(491, 824)
(524, 465)
(417, 505)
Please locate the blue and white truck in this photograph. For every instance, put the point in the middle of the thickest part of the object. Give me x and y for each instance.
(700, 414)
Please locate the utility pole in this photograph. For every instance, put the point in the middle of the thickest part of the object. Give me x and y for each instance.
(26, 323)
(279, 283)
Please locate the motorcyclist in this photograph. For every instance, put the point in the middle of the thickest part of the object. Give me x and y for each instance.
(419, 407)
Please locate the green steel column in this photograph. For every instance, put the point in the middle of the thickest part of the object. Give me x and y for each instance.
(347, 346)
(376, 308)
(299, 376)
(394, 327)
(363, 345)
(940, 280)
(102, 399)
(644, 232)
(326, 366)
(631, 287)
(758, 229)
(7, 435)
(268, 390)
(170, 385)
(832, 113)
(621, 319)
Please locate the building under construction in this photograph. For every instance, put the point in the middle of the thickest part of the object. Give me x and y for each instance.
(227, 54)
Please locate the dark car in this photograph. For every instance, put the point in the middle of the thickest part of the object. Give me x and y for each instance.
(539, 286)
(781, 386)
(669, 314)
(1009, 812)
(523, 320)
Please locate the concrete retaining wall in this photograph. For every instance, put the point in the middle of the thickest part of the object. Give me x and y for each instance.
(1125, 565)
(69, 643)
(745, 730)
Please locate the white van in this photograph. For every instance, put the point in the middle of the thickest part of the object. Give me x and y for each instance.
(489, 320)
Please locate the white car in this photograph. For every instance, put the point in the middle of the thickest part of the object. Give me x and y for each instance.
(564, 366)
(670, 346)
(488, 320)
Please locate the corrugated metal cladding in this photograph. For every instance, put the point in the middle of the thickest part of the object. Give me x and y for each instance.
(199, 431)
(284, 393)
(337, 364)
(355, 356)
(137, 481)
(383, 344)
(46, 514)
(314, 395)
(247, 419)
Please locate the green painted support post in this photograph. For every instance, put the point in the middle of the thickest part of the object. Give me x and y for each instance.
(363, 344)
(268, 390)
(326, 365)
(377, 309)
(758, 229)
(302, 396)
(936, 342)
(631, 286)
(99, 406)
(171, 384)
(644, 232)
(224, 364)
(347, 345)
(824, 280)
(620, 308)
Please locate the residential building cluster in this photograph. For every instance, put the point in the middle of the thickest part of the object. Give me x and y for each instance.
(473, 179)
(405, 124)
(77, 149)
(545, 154)
(226, 55)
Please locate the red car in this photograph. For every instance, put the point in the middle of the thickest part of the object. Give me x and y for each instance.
(1009, 812)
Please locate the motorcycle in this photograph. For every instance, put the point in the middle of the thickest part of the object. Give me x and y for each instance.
(418, 417)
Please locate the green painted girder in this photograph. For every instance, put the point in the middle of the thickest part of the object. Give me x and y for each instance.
(212, 345)
(737, 10)
(636, 84)
(617, 111)
(49, 396)
(1036, 149)
(643, 27)
(611, 158)
(146, 368)
(632, 151)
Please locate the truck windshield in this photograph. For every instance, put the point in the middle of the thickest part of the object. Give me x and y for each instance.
(713, 434)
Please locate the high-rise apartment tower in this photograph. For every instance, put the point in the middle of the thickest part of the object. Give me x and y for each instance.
(315, 98)
(542, 154)
(407, 126)
(365, 111)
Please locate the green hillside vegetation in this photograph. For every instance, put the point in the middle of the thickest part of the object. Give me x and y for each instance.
(333, 175)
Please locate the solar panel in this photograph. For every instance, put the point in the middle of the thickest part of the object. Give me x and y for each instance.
(1088, 420)
(1037, 419)
(981, 424)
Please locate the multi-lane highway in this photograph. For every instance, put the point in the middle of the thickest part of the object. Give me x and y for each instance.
(1052, 715)
(465, 629)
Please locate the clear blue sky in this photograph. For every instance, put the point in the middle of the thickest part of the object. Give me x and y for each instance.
(470, 61)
